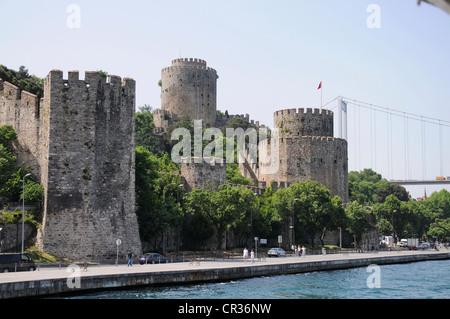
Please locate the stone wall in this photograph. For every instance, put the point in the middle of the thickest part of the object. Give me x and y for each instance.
(82, 140)
(301, 122)
(189, 89)
(210, 173)
(23, 111)
(302, 156)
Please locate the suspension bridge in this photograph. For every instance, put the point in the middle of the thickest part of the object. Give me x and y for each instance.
(405, 148)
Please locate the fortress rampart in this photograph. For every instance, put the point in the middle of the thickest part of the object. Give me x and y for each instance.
(79, 139)
(203, 173)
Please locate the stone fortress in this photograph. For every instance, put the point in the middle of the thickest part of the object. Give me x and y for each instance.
(79, 142)
(307, 148)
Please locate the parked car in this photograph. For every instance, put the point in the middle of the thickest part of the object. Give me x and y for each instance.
(16, 262)
(277, 252)
(150, 258)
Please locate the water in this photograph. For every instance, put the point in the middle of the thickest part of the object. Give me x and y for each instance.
(419, 280)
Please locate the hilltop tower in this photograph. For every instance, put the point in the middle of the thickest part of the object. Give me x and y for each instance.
(189, 88)
(308, 150)
(80, 141)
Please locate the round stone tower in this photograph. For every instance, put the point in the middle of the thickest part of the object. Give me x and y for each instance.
(308, 150)
(189, 88)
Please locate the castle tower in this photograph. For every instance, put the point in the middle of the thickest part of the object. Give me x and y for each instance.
(308, 150)
(80, 141)
(189, 89)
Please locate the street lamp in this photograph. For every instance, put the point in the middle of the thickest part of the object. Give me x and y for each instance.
(293, 222)
(23, 209)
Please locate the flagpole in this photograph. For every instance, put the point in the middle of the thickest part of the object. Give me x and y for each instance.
(321, 92)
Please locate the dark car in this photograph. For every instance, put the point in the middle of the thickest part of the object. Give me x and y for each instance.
(152, 258)
(16, 262)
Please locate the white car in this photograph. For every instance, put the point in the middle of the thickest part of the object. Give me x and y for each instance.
(277, 252)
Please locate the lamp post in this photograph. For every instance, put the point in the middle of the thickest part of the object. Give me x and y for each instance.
(23, 209)
(293, 222)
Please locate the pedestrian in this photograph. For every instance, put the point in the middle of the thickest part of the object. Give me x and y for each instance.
(130, 258)
(299, 251)
(245, 254)
(303, 251)
(252, 256)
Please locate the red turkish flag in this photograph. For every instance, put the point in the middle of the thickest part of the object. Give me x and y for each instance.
(320, 85)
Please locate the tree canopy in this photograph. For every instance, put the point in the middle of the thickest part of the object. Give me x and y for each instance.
(23, 80)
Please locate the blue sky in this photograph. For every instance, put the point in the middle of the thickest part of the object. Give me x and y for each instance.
(269, 55)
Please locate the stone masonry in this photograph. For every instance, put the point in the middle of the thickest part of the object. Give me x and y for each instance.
(307, 149)
(189, 89)
(79, 139)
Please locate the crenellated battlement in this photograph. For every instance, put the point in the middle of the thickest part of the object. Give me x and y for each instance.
(90, 78)
(192, 63)
(188, 61)
(304, 122)
(303, 139)
(22, 98)
(193, 66)
(303, 111)
(203, 161)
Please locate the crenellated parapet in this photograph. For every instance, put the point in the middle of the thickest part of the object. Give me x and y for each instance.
(178, 64)
(19, 98)
(304, 122)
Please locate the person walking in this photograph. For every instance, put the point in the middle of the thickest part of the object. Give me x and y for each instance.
(130, 258)
(245, 254)
(303, 251)
(252, 256)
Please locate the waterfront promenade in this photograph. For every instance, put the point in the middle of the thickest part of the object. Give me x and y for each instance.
(49, 281)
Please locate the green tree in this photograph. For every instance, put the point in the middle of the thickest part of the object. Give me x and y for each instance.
(312, 207)
(437, 211)
(235, 177)
(11, 175)
(157, 196)
(368, 188)
(23, 80)
(440, 229)
(7, 135)
(359, 219)
(144, 129)
(225, 209)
